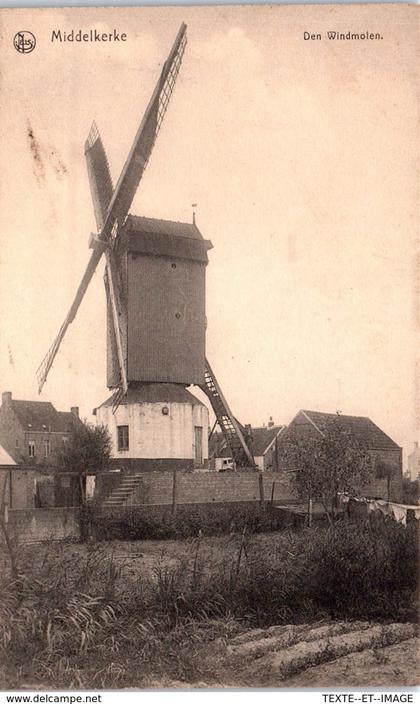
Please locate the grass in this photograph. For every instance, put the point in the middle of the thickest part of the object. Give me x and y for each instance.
(86, 616)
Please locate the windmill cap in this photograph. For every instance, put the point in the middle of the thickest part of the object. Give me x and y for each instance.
(165, 238)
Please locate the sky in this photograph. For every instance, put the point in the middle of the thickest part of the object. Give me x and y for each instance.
(301, 157)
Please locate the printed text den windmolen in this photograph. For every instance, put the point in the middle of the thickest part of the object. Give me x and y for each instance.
(343, 36)
(57, 35)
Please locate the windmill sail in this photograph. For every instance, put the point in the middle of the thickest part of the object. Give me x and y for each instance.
(99, 175)
(146, 135)
(126, 187)
(101, 189)
(114, 299)
(46, 364)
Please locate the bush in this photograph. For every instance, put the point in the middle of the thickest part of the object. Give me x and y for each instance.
(411, 491)
(367, 573)
(338, 572)
(149, 523)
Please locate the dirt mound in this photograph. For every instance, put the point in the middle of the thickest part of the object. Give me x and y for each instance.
(396, 666)
(322, 654)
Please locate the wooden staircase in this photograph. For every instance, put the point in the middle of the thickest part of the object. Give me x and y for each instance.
(122, 494)
(227, 422)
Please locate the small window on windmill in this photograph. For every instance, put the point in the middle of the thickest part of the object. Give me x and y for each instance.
(122, 437)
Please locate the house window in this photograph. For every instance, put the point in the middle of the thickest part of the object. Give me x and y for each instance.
(122, 431)
(65, 439)
(31, 448)
(17, 443)
(46, 448)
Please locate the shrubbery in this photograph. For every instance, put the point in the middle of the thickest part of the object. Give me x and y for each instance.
(149, 523)
(411, 491)
(341, 572)
(365, 571)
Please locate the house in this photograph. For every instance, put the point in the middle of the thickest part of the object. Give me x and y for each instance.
(33, 432)
(263, 444)
(385, 453)
(414, 463)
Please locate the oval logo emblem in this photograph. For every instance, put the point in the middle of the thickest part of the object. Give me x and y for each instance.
(24, 42)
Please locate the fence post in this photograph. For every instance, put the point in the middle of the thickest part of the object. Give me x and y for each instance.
(309, 513)
(261, 488)
(174, 491)
(272, 494)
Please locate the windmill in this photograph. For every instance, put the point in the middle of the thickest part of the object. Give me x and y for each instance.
(154, 278)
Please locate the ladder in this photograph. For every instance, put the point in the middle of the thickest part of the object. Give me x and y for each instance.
(228, 424)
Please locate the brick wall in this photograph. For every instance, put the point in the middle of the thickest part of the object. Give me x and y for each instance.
(156, 488)
(39, 438)
(11, 433)
(39, 524)
(194, 487)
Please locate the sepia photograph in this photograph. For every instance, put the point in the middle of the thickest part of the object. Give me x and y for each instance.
(209, 335)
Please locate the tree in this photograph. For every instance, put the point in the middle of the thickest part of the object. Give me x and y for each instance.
(325, 465)
(87, 450)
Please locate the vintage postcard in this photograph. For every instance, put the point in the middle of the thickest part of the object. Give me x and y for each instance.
(209, 459)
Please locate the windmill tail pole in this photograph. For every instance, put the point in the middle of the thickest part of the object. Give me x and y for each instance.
(227, 422)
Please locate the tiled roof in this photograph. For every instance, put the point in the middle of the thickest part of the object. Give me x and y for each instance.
(42, 416)
(361, 427)
(68, 420)
(139, 392)
(261, 439)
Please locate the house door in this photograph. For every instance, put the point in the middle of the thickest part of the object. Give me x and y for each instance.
(198, 446)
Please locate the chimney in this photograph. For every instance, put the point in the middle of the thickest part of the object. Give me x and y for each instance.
(271, 422)
(6, 398)
(75, 411)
